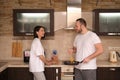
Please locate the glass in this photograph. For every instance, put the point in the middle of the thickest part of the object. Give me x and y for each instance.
(27, 21)
(109, 22)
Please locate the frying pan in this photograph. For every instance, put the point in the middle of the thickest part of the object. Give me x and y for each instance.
(72, 63)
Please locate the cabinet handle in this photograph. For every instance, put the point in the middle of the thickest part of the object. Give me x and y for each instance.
(68, 70)
(56, 71)
(112, 69)
(56, 77)
(58, 74)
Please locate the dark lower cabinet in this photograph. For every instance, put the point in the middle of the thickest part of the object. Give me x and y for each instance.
(3, 75)
(108, 73)
(53, 73)
(19, 73)
(22, 73)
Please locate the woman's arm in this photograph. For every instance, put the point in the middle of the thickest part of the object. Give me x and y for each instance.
(45, 60)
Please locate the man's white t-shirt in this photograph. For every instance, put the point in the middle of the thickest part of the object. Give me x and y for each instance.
(85, 44)
(35, 64)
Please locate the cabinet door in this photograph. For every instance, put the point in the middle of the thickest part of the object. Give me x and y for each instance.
(19, 74)
(3, 75)
(53, 73)
(108, 73)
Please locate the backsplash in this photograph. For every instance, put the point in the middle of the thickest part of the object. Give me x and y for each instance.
(63, 39)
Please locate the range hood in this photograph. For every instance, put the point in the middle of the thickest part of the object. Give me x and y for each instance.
(73, 12)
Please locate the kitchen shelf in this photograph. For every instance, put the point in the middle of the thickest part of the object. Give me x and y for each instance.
(69, 28)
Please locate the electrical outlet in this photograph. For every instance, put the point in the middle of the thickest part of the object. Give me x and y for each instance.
(114, 48)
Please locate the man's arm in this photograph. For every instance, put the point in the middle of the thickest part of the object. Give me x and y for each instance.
(99, 50)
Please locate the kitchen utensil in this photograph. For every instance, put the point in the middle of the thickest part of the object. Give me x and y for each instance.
(72, 63)
(16, 49)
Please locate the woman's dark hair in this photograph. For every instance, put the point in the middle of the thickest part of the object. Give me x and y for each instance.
(36, 29)
(82, 21)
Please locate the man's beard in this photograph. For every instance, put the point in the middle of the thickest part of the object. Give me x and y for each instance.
(79, 31)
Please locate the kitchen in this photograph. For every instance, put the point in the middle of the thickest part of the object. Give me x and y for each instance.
(6, 28)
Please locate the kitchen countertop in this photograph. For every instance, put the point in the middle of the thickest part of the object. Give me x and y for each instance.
(6, 64)
(20, 63)
(105, 63)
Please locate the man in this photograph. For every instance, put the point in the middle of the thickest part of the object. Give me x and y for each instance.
(87, 46)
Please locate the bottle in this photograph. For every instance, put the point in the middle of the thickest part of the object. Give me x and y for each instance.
(55, 57)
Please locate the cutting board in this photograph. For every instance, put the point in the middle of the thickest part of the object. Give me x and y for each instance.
(16, 49)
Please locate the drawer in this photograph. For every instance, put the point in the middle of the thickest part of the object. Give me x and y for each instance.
(67, 69)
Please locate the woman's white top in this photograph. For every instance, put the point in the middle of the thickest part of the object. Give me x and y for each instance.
(85, 44)
(35, 63)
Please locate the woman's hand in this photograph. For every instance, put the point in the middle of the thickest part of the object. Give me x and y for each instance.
(49, 62)
(54, 59)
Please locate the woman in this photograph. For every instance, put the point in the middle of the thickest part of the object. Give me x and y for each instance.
(37, 58)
